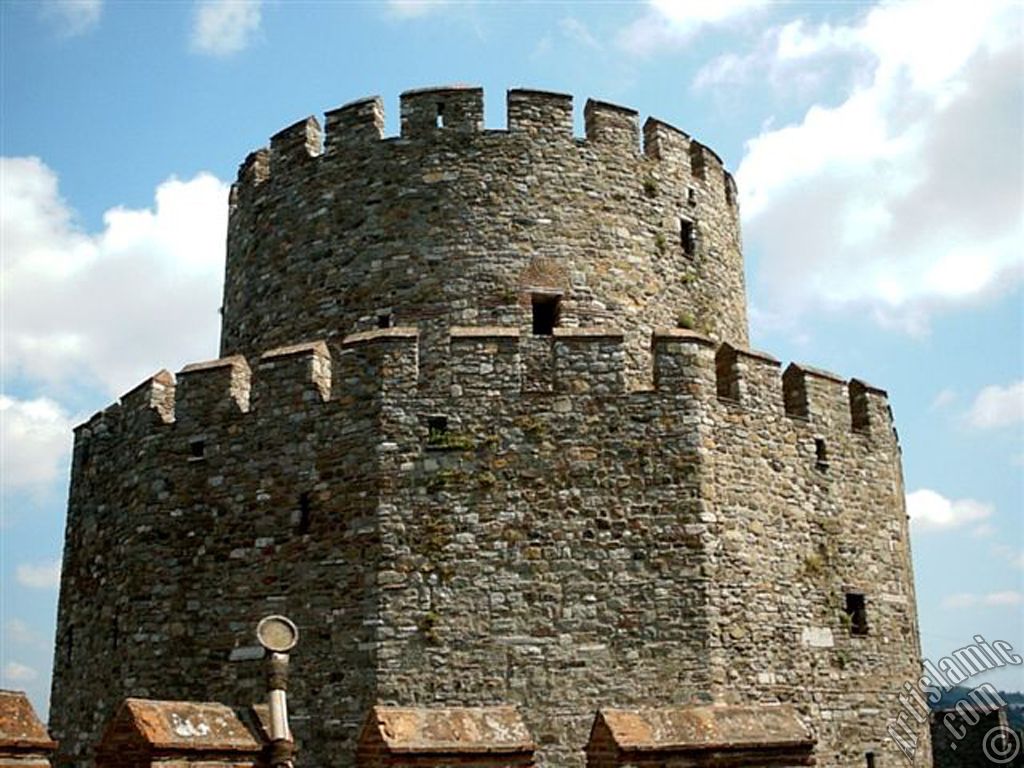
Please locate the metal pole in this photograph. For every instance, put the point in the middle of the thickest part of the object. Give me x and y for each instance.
(282, 747)
(278, 635)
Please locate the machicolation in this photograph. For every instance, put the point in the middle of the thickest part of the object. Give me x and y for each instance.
(486, 425)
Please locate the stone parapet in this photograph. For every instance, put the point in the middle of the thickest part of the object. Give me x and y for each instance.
(492, 360)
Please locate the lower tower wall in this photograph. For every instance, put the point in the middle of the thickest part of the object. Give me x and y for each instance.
(521, 530)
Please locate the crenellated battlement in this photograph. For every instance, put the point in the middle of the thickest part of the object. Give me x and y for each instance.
(451, 223)
(490, 362)
(438, 114)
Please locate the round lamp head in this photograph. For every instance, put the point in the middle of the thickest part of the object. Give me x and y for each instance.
(277, 634)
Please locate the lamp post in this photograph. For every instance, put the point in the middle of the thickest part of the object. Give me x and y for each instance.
(278, 635)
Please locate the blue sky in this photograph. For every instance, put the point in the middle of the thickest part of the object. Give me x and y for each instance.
(878, 150)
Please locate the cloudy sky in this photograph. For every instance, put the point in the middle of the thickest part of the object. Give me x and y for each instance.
(877, 147)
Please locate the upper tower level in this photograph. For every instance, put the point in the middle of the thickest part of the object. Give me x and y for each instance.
(451, 224)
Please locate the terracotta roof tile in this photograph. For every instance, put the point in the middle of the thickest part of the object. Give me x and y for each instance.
(450, 729)
(184, 725)
(707, 727)
(20, 727)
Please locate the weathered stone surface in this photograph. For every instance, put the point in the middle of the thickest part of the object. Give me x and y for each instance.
(461, 507)
(445, 736)
(699, 736)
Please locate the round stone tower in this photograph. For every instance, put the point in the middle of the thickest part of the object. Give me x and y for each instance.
(486, 427)
(450, 224)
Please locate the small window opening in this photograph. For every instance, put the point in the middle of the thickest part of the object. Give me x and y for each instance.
(197, 449)
(437, 430)
(115, 634)
(439, 118)
(820, 453)
(691, 196)
(860, 418)
(727, 373)
(385, 321)
(305, 513)
(546, 310)
(697, 160)
(856, 610)
(794, 393)
(870, 758)
(687, 237)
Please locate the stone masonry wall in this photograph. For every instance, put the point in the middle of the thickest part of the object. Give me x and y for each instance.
(808, 505)
(258, 498)
(537, 536)
(457, 225)
(540, 551)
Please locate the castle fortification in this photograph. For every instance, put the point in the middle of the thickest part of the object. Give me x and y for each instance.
(485, 424)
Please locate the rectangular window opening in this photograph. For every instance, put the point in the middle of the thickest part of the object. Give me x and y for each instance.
(197, 449)
(697, 160)
(691, 195)
(855, 608)
(687, 237)
(860, 418)
(386, 320)
(546, 311)
(727, 375)
(870, 758)
(305, 514)
(820, 453)
(437, 430)
(439, 118)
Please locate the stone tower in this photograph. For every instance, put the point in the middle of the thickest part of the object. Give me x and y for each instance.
(485, 424)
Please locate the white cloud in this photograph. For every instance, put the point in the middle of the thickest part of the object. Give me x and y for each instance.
(1004, 599)
(578, 32)
(44, 575)
(35, 441)
(223, 27)
(1013, 555)
(411, 9)
(907, 194)
(960, 600)
(15, 672)
(997, 406)
(110, 308)
(671, 23)
(19, 632)
(1009, 597)
(943, 399)
(931, 511)
(71, 18)
(983, 531)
